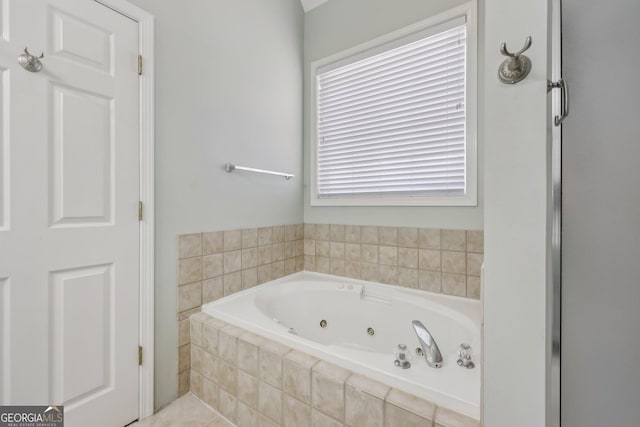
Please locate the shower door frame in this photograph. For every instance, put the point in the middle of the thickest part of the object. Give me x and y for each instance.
(554, 233)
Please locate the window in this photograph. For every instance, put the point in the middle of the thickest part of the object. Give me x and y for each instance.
(394, 123)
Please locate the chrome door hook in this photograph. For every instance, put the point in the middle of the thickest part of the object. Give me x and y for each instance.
(30, 62)
(560, 84)
(517, 66)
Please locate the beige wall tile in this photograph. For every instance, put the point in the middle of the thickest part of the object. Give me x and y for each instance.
(370, 272)
(184, 332)
(188, 313)
(184, 358)
(232, 283)
(289, 249)
(189, 270)
(295, 413)
(289, 232)
(370, 235)
(264, 255)
(212, 289)
(389, 274)
(249, 258)
(310, 247)
(352, 233)
(211, 392)
(249, 238)
(264, 273)
(212, 243)
(270, 362)
(364, 402)
(195, 326)
(322, 232)
(323, 248)
(278, 234)
(473, 287)
(337, 250)
(327, 389)
(474, 263)
(352, 252)
(310, 231)
(232, 261)
(265, 236)
(411, 404)
(398, 417)
(210, 334)
(228, 376)
(336, 232)
(430, 281)
(248, 389)
(189, 245)
(299, 263)
(318, 419)
(196, 384)
(454, 240)
(266, 422)
(189, 296)
(299, 231)
(270, 402)
(232, 240)
(429, 259)
(408, 257)
(388, 255)
(277, 269)
(323, 264)
(352, 269)
(389, 236)
(248, 346)
(310, 263)
(296, 375)
(447, 418)
(408, 237)
(228, 343)
(370, 253)
(429, 238)
(475, 241)
(245, 416)
(337, 267)
(227, 405)
(184, 383)
(249, 278)
(212, 265)
(277, 252)
(210, 367)
(454, 284)
(454, 262)
(289, 266)
(408, 277)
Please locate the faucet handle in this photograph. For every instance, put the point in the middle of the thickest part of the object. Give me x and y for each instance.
(464, 355)
(403, 355)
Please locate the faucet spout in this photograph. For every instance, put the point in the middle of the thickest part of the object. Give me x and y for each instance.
(429, 347)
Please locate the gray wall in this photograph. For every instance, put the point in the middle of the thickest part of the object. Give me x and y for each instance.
(601, 215)
(341, 24)
(228, 89)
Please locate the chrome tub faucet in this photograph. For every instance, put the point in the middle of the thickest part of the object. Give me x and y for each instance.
(429, 347)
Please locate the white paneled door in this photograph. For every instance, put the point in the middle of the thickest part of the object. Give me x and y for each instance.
(69, 229)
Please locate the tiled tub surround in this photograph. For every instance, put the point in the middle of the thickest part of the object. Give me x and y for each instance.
(434, 260)
(254, 381)
(220, 263)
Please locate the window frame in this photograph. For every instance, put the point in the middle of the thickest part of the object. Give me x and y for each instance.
(394, 39)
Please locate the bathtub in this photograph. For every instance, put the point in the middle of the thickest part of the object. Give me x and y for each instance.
(364, 323)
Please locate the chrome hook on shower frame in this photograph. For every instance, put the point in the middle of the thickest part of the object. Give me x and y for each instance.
(517, 66)
(30, 62)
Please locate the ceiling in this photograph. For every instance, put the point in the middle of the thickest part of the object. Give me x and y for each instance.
(310, 4)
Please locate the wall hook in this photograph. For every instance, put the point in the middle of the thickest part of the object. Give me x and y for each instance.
(30, 62)
(517, 66)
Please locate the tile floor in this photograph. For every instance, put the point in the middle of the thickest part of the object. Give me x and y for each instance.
(187, 411)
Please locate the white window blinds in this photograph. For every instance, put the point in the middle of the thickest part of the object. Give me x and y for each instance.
(393, 124)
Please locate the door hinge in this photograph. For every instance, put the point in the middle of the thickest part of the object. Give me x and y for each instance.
(139, 65)
(140, 211)
(139, 355)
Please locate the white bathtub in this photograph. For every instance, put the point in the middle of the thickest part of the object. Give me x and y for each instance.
(289, 310)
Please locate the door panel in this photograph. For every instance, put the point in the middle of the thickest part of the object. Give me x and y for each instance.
(72, 253)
